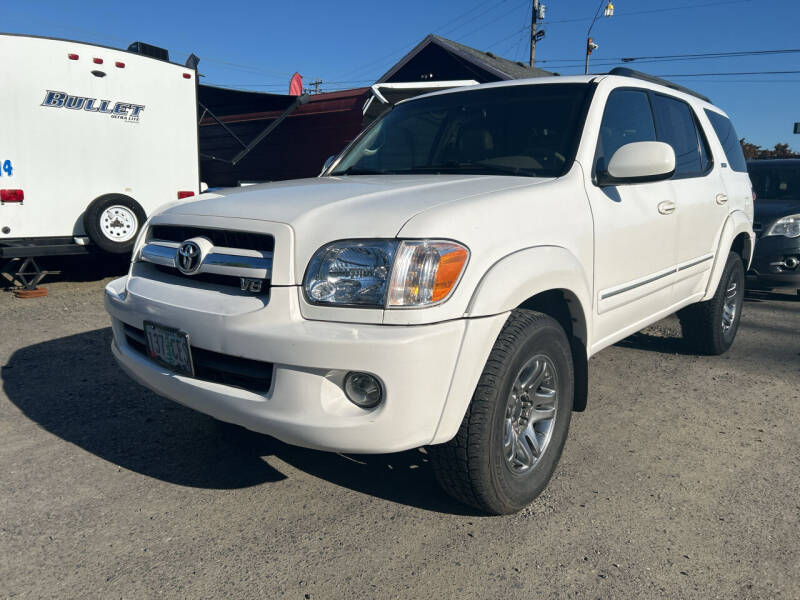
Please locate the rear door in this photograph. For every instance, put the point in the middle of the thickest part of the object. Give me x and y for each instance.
(733, 167)
(635, 227)
(700, 208)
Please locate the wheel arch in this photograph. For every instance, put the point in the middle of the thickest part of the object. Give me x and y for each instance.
(555, 283)
(102, 197)
(565, 307)
(737, 236)
(743, 246)
(546, 278)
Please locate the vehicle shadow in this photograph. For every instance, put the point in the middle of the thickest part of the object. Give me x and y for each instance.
(670, 340)
(761, 295)
(657, 343)
(72, 388)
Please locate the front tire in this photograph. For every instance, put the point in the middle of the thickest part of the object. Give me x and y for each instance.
(113, 221)
(711, 326)
(514, 430)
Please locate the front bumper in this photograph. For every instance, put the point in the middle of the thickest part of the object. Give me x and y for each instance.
(768, 267)
(306, 406)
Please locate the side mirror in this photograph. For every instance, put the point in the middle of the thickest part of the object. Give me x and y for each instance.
(328, 162)
(639, 162)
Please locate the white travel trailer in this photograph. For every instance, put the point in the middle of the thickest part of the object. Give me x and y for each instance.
(93, 140)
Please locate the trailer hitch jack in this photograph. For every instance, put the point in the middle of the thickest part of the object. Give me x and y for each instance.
(29, 275)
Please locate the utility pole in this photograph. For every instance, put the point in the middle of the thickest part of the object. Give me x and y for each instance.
(537, 14)
(534, 19)
(590, 45)
(315, 84)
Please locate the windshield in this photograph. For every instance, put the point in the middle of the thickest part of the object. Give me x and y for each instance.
(776, 182)
(525, 130)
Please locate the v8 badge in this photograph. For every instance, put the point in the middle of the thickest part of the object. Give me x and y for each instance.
(248, 284)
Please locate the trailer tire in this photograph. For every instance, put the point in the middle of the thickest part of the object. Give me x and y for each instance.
(113, 221)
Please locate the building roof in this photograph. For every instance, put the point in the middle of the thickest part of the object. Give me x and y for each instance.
(500, 67)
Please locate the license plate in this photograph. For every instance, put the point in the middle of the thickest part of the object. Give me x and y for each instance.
(170, 347)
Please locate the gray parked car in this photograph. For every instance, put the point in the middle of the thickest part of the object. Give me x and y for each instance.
(776, 183)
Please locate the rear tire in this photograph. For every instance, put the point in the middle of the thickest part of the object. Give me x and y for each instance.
(711, 326)
(514, 430)
(113, 221)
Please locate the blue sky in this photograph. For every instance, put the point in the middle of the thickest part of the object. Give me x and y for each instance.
(349, 44)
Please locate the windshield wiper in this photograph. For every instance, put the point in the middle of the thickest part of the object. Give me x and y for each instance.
(360, 171)
(457, 167)
(498, 168)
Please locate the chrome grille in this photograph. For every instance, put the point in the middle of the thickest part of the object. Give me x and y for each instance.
(227, 238)
(228, 265)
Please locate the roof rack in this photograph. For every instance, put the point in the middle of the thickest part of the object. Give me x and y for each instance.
(625, 72)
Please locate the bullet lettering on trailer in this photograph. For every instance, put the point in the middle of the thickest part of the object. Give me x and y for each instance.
(57, 99)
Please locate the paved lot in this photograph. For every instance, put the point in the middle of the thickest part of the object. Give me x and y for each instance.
(679, 481)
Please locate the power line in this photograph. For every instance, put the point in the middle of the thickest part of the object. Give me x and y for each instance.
(730, 73)
(617, 14)
(444, 30)
(281, 85)
(382, 59)
(679, 57)
(513, 51)
(450, 30)
(483, 25)
(654, 10)
(501, 40)
(740, 81)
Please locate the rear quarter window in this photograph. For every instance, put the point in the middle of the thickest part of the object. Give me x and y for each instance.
(730, 141)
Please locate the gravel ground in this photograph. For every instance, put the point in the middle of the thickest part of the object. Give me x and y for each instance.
(680, 480)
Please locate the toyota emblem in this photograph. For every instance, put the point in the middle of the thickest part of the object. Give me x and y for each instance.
(189, 258)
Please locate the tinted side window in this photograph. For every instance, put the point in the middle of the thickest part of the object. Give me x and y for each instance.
(627, 118)
(729, 140)
(675, 126)
(775, 182)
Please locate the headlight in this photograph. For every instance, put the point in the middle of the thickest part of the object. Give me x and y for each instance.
(384, 273)
(354, 272)
(788, 226)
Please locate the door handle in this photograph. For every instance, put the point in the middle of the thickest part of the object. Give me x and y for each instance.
(722, 198)
(667, 207)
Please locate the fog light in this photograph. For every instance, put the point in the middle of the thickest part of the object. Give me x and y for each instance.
(363, 389)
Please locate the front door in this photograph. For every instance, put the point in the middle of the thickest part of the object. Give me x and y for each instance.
(635, 228)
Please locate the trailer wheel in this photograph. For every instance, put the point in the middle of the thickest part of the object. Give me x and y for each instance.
(113, 222)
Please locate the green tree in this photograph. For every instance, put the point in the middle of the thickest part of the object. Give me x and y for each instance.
(754, 151)
(751, 151)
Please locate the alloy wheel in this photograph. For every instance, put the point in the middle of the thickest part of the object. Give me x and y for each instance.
(530, 414)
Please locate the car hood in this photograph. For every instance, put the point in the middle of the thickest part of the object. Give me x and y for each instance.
(326, 209)
(375, 205)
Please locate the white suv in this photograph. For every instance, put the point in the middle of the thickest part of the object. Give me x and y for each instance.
(446, 279)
